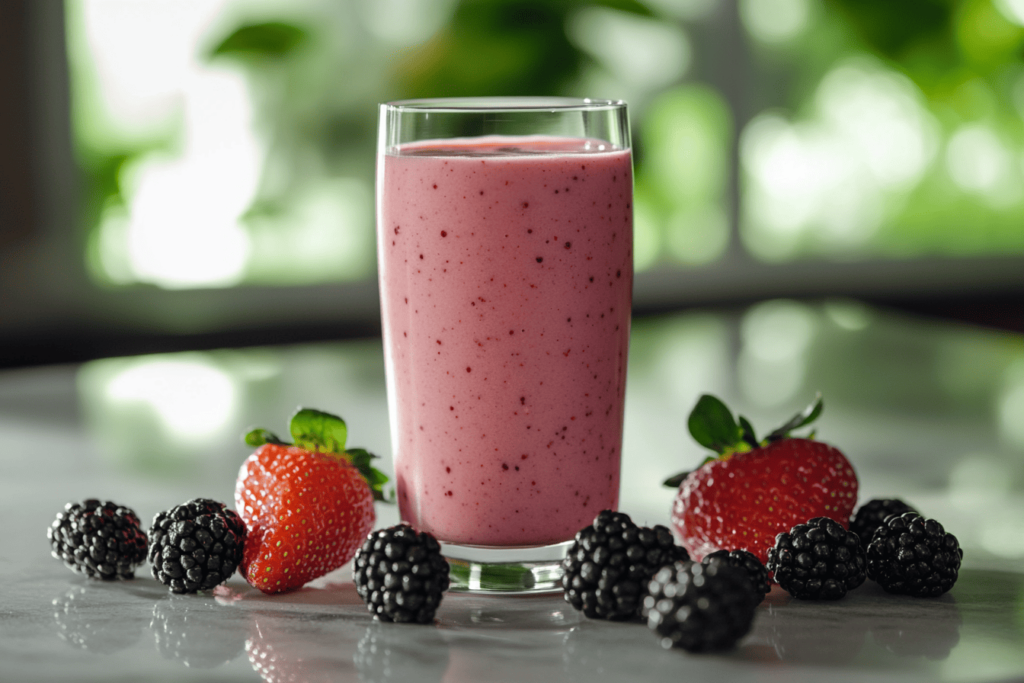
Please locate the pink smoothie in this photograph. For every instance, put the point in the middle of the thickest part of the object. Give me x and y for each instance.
(506, 276)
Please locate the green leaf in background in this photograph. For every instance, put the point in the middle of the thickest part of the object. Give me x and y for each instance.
(271, 39)
(316, 430)
(501, 47)
(894, 29)
(712, 425)
(260, 436)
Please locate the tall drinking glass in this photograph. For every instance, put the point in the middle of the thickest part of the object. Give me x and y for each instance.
(505, 247)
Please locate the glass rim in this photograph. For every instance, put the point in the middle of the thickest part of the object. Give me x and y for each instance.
(503, 104)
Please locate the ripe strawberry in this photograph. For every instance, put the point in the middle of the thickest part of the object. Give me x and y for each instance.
(752, 491)
(307, 507)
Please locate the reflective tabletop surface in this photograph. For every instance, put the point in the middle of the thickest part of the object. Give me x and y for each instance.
(933, 413)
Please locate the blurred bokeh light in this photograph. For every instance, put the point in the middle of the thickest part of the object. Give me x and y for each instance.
(230, 142)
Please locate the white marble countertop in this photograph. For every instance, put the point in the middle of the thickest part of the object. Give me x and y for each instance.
(69, 629)
(75, 432)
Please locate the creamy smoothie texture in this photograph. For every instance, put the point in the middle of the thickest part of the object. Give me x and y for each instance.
(506, 283)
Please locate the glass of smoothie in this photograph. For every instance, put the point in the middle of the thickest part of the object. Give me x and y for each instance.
(505, 248)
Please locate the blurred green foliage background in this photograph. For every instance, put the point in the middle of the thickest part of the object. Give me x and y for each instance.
(232, 141)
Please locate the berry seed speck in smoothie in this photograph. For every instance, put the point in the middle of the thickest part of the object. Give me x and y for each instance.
(506, 283)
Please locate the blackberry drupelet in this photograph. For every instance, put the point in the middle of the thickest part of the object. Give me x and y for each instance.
(819, 560)
(749, 563)
(871, 514)
(610, 563)
(401, 575)
(196, 545)
(699, 607)
(911, 555)
(100, 539)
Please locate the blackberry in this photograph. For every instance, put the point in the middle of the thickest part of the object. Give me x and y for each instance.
(610, 563)
(700, 607)
(196, 545)
(871, 514)
(819, 560)
(100, 539)
(401, 575)
(911, 555)
(749, 563)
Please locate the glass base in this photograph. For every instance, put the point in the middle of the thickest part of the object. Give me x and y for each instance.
(506, 571)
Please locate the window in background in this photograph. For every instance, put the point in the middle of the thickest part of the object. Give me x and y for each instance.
(229, 142)
(897, 131)
(234, 143)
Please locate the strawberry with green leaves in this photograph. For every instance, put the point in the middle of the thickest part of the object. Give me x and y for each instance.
(751, 490)
(307, 506)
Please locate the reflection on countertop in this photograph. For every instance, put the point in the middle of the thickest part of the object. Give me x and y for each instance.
(322, 632)
(931, 412)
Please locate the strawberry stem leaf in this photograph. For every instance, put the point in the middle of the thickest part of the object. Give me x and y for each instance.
(801, 419)
(320, 432)
(675, 480)
(712, 425)
(317, 431)
(748, 431)
(260, 436)
(361, 459)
